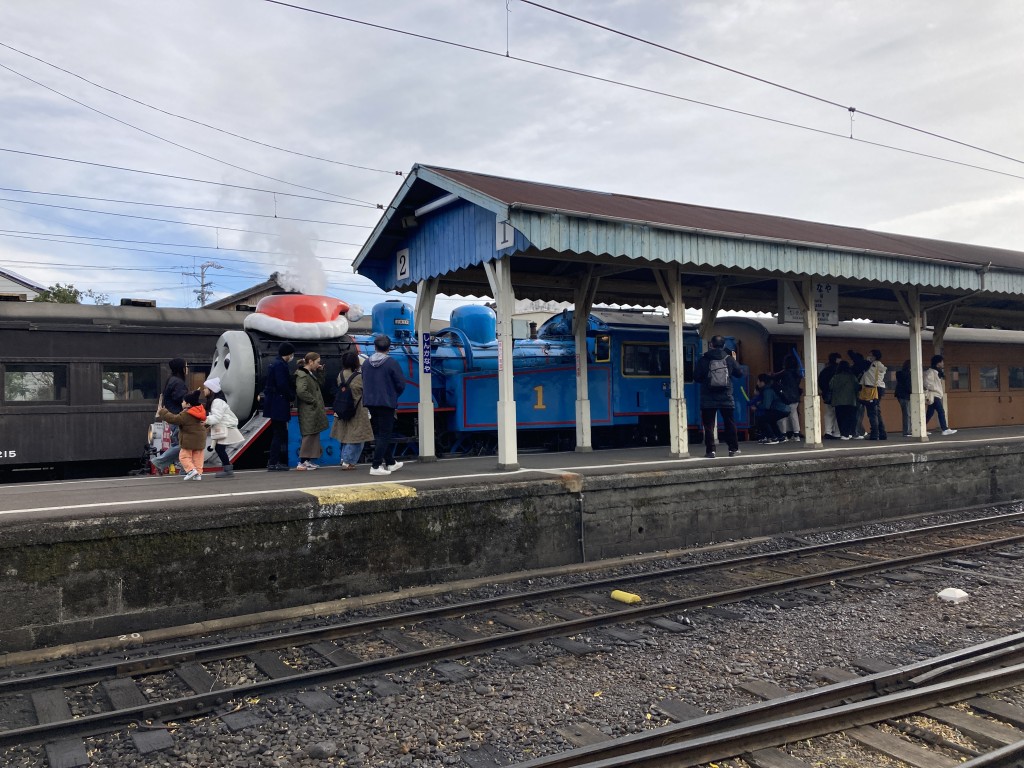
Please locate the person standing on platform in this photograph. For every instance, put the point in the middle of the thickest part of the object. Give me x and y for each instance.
(830, 427)
(872, 387)
(222, 422)
(192, 420)
(788, 381)
(935, 393)
(858, 364)
(714, 372)
(903, 395)
(312, 415)
(843, 389)
(383, 384)
(353, 432)
(277, 396)
(174, 392)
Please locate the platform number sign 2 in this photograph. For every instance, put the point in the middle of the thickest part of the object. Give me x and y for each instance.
(402, 271)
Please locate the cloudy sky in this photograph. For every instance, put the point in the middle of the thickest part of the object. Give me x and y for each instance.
(242, 99)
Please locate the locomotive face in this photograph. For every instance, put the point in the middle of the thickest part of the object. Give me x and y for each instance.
(235, 363)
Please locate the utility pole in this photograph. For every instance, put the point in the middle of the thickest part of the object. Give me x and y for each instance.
(204, 287)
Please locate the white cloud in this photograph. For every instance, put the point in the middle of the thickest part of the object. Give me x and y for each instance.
(379, 99)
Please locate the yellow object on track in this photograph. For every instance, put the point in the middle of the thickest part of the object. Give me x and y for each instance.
(625, 597)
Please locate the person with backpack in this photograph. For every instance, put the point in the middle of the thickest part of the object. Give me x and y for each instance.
(872, 387)
(383, 384)
(312, 416)
(787, 384)
(714, 372)
(351, 425)
(768, 410)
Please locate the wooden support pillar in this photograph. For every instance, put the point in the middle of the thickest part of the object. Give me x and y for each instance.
(583, 296)
(499, 275)
(426, 293)
(671, 285)
(911, 304)
(812, 403)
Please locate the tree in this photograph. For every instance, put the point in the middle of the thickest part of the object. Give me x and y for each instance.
(68, 294)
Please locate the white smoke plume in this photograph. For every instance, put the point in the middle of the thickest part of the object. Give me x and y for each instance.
(300, 269)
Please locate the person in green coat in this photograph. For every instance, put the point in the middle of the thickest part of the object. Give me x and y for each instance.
(843, 393)
(312, 414)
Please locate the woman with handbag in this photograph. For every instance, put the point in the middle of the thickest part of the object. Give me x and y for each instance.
(223, 424)
(872, 386)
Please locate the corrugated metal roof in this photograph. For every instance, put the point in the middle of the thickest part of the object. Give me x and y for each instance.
(573, 202)
(442, 223)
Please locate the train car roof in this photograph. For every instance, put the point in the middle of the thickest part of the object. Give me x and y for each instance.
(25, 313)
(882, 331)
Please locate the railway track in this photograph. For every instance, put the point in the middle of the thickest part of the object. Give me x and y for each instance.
(904, 714)
(59, 706)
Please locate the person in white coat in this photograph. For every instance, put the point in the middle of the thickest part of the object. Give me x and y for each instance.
(222, 423)
(935, 393)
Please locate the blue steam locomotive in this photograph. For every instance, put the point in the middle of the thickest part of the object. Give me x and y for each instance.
(627, 361)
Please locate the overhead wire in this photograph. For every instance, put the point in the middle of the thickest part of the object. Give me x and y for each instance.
(640, 88)
(177, 144)
(771, 83)
(183, 207)
(163, 221)
(198, 122)
(188, 178)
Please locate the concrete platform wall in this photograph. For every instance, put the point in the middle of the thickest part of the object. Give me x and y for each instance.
(64, 581)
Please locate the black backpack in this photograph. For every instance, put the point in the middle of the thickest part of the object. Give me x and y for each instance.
(785, 388)
(344, 403)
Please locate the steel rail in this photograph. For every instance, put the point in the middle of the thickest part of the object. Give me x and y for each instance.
(736, 741)
(203, 703)
(166, 661)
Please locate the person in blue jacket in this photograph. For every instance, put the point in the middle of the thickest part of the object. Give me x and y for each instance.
(383, 384)
(278, 394)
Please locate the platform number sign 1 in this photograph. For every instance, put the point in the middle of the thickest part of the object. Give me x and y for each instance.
(504, 235)
(402, 270)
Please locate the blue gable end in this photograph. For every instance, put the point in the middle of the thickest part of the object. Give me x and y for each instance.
(459, 235)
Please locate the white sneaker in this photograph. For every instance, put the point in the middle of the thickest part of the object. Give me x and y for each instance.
(396, 466)
(190, 475)
(381, 471)
(309, 465)
(949, 431)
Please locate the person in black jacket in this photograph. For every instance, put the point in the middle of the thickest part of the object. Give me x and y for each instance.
(830, 425)
(903, 395)
(174, 392)
(715, 398)
(278, 394)
(383, 384)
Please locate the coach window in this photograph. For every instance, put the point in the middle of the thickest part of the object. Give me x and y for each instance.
(602, 348)
(958, 378)
(35, 383)
(130, 382)
(989, 376)
(1016, 377)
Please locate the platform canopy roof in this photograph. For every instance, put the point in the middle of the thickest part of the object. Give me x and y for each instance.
(446, 223)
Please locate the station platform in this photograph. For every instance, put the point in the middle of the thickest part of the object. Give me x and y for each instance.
(117, 556)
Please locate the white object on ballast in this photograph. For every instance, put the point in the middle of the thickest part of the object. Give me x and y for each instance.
(953, 595)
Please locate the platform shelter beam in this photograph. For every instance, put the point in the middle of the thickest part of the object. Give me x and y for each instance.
(583, 301)
(500, 278)
(426, 293)
(671, 286)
